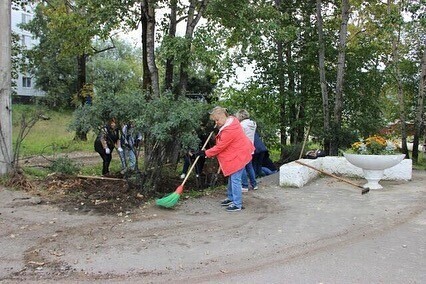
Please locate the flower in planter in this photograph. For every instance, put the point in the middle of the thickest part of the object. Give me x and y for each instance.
(374, 145)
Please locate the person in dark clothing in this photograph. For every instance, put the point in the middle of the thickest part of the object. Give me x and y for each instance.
(188, 159)
(107, 139)
(268, 167)
(259, 154)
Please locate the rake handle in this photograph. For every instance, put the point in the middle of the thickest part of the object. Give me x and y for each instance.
(331, 175)
(196, 159)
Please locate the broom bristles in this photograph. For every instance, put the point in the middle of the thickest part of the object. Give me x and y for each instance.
(171, 199)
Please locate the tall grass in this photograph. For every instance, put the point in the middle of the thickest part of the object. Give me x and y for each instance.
(48, 136)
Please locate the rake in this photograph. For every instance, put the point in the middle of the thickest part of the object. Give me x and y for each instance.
(170, 200)
(363, 190)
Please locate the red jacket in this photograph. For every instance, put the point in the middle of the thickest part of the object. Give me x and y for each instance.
(233, 149)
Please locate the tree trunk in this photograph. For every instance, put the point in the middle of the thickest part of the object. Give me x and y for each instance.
(146, 80)
(292, 100)
(419, 123)
(192, 21)
(282, 93)
(283, 103)
(148, 8)
(81, 82)
(323, 82)
(338, 103)
(172, 34)
(395, 62)
(5, 89)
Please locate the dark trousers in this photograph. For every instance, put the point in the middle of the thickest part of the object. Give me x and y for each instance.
(257, 163)
(106, 158)
(187, 160)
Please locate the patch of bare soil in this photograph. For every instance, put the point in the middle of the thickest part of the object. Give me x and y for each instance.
(98, 196)
(114, 194)
(75, 194)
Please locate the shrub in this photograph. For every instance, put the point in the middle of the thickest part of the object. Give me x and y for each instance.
(64, 165)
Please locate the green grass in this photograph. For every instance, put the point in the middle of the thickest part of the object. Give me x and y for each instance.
(114, 167)
(48, 137)
(36, 172)
(421, 163)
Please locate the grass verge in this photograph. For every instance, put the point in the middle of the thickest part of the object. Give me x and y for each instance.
(48, 137)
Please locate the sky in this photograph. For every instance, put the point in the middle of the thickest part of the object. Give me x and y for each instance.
(242, 74)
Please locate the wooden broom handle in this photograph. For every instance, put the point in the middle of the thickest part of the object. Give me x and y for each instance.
(196, 159)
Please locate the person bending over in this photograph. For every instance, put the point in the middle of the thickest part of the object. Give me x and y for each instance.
(107, 139)
(233, 150)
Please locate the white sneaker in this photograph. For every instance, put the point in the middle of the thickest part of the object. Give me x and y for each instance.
(182, 176)
(244, 189)
(256, 187)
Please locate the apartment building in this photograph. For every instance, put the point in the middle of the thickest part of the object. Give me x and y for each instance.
(25, 84)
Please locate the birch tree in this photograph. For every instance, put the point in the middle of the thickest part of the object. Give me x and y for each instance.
(148, 8)
(396, 74)
(418, 30)
(419, 121)
(194, 14)
(323, 82)
(338, 101)
(169, 72)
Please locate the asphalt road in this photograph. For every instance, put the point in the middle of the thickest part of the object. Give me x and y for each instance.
(325, 232)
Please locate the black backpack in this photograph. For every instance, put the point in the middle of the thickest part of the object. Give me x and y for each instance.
(313, 154)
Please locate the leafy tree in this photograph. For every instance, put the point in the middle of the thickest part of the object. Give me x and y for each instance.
(16, 59)
(115, 71)
(416, 32)
(56, 74)
(163, 121)
(68, 29)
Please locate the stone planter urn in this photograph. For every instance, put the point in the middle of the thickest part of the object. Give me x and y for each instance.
(373, 166)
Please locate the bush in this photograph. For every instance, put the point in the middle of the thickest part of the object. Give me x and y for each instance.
(64, 165)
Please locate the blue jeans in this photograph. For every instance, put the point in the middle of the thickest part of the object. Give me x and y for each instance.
(266, 171)
(128, 154)
(251, 176)
(234, 188)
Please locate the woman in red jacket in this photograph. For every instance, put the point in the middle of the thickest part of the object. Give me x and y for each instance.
(233, 150)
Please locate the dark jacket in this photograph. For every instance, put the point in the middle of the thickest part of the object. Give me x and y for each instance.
(258, 144)
(107, 137)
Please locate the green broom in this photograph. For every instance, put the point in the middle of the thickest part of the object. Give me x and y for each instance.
(170, 200)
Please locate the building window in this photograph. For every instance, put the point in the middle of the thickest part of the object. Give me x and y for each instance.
(26, 18)
(26, 82)
(25, 40)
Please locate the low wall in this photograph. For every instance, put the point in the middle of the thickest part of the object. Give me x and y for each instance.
(296, 175)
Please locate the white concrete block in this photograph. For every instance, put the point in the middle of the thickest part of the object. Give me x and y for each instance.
(402, 171)
(296, 175)
(340, 166)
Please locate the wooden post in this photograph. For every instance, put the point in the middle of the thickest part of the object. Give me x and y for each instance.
(5, 88)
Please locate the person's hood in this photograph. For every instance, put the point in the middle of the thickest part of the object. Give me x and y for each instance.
(230, 123)
(249, 123)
